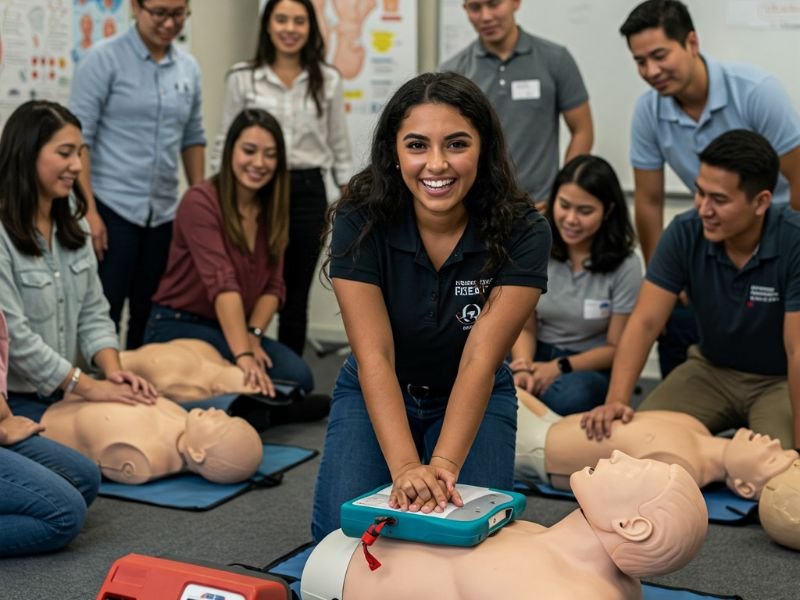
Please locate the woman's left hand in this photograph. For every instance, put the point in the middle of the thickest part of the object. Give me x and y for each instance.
(544, 374)
(139, 385)
(260, 356)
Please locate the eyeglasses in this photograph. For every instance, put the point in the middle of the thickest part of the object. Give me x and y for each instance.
(161, 15)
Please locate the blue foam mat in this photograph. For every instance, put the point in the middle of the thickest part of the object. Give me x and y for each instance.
(191, 492)
(724, 507)
(291, 569)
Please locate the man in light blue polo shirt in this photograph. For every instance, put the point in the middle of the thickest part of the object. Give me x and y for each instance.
(138, 98)
(693, 100)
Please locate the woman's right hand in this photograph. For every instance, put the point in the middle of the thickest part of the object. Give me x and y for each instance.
(522, 371)
(255, 376)
(104, 390)
(425, 488)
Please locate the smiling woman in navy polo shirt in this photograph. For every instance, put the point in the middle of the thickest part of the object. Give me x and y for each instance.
(437, 259)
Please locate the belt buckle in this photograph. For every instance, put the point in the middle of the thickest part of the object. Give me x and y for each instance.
(418, 391)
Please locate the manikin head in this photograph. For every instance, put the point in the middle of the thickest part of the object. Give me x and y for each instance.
(649, 516)
(220, 448)
(752, 459)
(779, 507)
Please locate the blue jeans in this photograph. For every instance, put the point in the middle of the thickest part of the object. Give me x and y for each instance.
(680, 333)
(44, 491)
(574, 392)
(352, 461)
(167, 324)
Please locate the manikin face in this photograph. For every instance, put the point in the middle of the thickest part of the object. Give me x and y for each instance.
(254, 159)
(751, 459)
(204, 427)
(438, 151)
(288, 27)
(59, 163)
(664, 63)
(493, 20)
(614, 490)
(726, 211)
(157, 32)
(578, 215)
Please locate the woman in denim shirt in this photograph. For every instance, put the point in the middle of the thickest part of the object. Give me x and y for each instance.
(52, 297)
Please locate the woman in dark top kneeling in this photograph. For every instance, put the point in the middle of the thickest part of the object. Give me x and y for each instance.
(437, 259)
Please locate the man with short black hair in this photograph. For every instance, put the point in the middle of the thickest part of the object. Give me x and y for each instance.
(530, 82)
(693, 100)
(738, 259)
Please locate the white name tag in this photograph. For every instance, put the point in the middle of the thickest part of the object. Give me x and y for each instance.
(527, 89)
(596, 309)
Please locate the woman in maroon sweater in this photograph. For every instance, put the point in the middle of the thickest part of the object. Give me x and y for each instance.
(224, 278)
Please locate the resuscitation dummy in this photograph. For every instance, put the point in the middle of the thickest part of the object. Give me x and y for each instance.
(186, 370)
(551, 448)
(637, 518)
(138, 443)
(779, 507)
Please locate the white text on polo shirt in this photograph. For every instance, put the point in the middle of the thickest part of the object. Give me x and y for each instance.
(469, 287)
(764, 293)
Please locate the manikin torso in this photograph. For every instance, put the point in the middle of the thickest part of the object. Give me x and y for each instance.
(565, 561)
(185, 370)
(671, 437)
(131, 444)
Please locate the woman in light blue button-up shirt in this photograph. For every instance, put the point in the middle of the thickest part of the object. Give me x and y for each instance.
(51, 294)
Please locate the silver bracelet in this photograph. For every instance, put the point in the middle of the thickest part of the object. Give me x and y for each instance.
(73, 381)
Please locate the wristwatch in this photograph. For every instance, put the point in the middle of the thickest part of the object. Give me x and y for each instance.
(564, 365)
(256, 331)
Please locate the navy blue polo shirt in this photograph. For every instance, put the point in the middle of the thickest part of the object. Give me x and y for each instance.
(739, 312)
(432, 313)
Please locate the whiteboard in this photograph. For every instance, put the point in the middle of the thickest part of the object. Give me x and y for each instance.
(760, 32)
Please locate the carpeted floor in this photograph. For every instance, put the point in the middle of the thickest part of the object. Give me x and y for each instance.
(263, 524)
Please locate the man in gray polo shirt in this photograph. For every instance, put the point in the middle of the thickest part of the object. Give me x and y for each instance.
(738, 258)
(530, 82)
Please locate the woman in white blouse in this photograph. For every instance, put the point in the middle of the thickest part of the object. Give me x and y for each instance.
(289, 78)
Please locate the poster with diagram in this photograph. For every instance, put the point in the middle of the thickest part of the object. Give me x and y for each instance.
(40, 40)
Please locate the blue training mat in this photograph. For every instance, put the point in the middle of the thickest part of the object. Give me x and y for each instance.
(191, 492)
(724, 507)
(290, 568)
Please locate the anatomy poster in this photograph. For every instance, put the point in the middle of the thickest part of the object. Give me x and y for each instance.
(40, 40)
(373, 43)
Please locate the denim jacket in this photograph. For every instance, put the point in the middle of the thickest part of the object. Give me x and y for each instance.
(55, 308)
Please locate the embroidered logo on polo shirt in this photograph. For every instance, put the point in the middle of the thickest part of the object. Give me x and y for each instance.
(469, 287)
(764, 294)
(468, 315)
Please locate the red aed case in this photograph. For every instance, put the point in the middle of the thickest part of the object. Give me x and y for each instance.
(139, 577)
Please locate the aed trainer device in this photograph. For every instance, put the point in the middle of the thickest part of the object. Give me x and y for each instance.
(139, 577)
(485, 511)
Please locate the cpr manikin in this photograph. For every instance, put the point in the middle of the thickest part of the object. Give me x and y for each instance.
(779, 507)
(185, 370)
(137, 443)
(551, 448)
(637, 518)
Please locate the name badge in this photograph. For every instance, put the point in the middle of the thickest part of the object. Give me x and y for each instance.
(526, 89)
(596, 309)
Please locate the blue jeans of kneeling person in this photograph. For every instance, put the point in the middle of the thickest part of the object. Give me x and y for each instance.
(167, 324)
(574, 392)
(352, 461)
(45, 489)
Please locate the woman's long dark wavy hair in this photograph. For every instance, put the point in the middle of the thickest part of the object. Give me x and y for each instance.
(614, 241)
(493, 202)
(312, 55)
(31, 126)
(273, 197)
